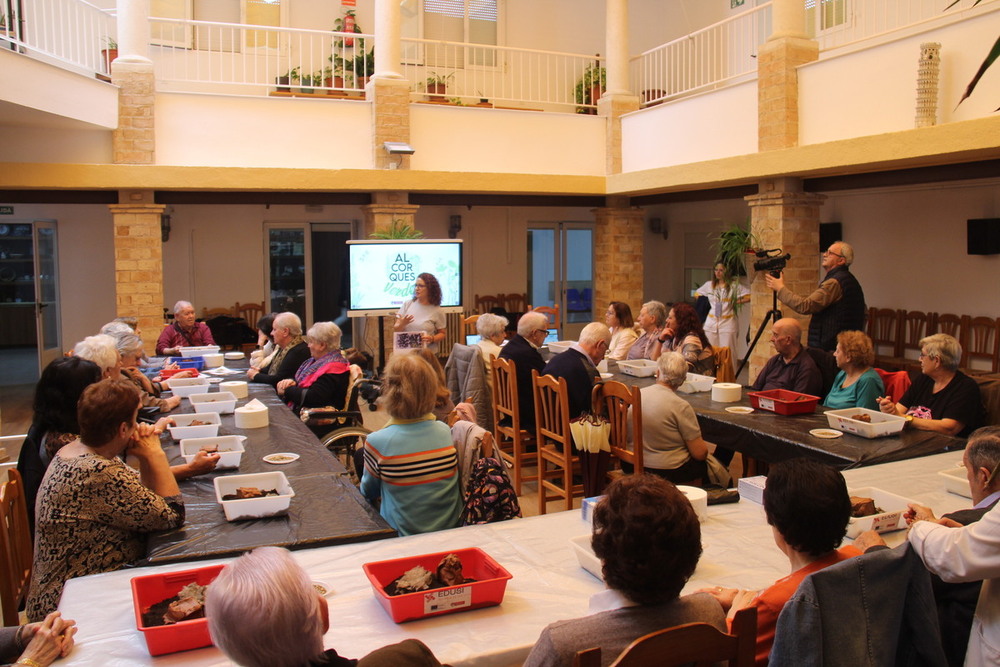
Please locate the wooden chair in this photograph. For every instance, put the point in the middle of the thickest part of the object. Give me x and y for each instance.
(250, 312)
(982, 342)
(556, 461)
(552, 313)
(884, 330)
(615, 399)
(15, 548)
(948, 323)
(914, 326)
(470, 324)
(896, 383)
(515, 303)
(487, 302)
(724, 367)
(697, 644)
(511, 440)
(209, 313)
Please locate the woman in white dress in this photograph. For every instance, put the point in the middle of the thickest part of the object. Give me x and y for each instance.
(720, 325)
(619, 320)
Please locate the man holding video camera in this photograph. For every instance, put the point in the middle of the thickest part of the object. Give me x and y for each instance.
(838, 304)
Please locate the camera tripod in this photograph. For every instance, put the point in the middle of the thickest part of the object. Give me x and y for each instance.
(772, 315)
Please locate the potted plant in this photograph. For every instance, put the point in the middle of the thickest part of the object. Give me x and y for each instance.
(397, 229)
(364, 67)
(109, 54)
(732, 247)
(589, 88)
(336, 71)
(310, 80)
(285, 79)
(437, 85)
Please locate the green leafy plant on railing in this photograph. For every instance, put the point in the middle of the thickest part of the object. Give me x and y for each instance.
(589, 87)
(991, 58)
(397, 229)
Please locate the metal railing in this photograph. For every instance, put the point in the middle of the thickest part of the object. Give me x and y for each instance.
(195, 54)
(471, 74)
(69, 32)
(838, 23)
(719, 54)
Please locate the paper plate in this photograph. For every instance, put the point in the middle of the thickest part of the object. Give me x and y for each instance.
(322, 587)
(214, 380)
(739, 409)
(234, 355)
(825, 433)
(281, 458)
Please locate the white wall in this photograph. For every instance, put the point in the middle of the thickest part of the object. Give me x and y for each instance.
(716, 124)
(490, 140)
(212, 130)
(874, 91)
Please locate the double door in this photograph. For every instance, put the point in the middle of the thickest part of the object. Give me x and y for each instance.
(561, 272)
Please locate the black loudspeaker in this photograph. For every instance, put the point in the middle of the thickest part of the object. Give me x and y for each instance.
(984, 236)
(829, 232)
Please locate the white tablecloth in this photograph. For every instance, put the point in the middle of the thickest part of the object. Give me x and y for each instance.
(548, 584)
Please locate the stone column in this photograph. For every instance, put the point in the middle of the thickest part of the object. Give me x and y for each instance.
(387, 34)
(139, 262)
(133, 141)
(777, 76)
(618, 255)
(618, 99)
(387, 90)
(783, 216)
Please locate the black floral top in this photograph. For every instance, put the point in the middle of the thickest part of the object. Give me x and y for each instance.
(91, 516)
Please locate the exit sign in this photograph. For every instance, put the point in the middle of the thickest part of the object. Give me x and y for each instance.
(6, 210)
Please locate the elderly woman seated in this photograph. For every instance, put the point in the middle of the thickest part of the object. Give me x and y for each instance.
(652, 318)
(130, 348)
(648, 538)
(672, 446)
(942, 398)
(492, 332)
(263, 611)
(857, 385)
(807, 507)
(103, 351)
(322, 379)
(93, 511)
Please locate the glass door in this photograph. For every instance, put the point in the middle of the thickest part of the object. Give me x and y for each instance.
(561, 271)
(289, 283)
(47, 293)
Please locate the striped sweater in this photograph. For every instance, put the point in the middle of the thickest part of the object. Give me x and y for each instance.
(413, 466)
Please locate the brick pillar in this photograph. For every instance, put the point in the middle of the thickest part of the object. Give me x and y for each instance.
(783, 216)
(613, 107)
(133, 142)
(390, 119)
(778, 90)
(139, 263)
(618, 255)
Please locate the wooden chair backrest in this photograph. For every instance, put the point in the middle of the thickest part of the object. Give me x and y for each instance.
(614, 400)
(951, 324)
(515, 303)
(884, 330)
(251, 312)
(552, 411)
(15, 547)
(552, 312)
(470, 324)
(916, 325)
(505, 397)
(982, 342)
(209, 313)
(724, 366)
(692, 643)
(487, 302)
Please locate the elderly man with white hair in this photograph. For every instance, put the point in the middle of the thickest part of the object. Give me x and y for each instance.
(102, 349)
(263, 611)
(522, 349)
(184, 332)
(292, 351)
(578, 366)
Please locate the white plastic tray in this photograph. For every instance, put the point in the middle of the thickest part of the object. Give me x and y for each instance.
(881, 424)
(198, 350)
(890, 519)
(696, 383)
(185, 430)
(640, 368)
(222, 402)
(585, 555)
(230, 448)
(184, 387)
(254, 508)
(956, 480)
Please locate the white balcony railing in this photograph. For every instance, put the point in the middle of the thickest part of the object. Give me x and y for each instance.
(68, 32)
(719, 54)
(840, 23)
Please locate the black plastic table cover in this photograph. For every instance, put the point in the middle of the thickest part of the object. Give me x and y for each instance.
(327, 509)
(771, 437)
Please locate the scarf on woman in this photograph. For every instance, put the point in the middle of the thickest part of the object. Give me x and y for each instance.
(312, 369)
(279, 356)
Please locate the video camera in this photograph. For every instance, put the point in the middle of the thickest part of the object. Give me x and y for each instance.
(771, 260)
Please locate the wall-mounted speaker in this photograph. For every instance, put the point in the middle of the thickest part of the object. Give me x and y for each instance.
(984, 236)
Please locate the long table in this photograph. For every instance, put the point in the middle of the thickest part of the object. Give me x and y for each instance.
(547, 585)
(327, 509)
(771, 437)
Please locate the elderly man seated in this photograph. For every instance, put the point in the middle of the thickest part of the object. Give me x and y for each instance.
(522, 349)
(578, 366)
(956, 602)
(791, 368)
(184, 332)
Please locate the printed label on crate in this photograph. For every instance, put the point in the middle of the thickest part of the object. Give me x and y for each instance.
(444, 600)
(765, 403)
(885, 522)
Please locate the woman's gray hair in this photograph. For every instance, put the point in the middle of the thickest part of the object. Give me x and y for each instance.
(116, 327)
(263, 612)
(326, 333)
(101, 349)
(128, 342)
(490, 324)
(673, 369)
(658, 311)
(947, 350)
(181, 305)
(288, 321)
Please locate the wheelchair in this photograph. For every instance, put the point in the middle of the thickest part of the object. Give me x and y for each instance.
(343, 432)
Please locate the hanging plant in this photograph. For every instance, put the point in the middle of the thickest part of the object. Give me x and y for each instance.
(397, 229)
(732, 246)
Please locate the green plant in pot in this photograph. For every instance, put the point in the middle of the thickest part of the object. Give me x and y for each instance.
(286, 79)
(436, 85)
(397, 229)
(732, 246)
(589, 88)
(109, 54)
(364, 67)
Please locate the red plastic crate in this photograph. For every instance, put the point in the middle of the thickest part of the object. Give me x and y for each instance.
(783, 402)
(487, 591)
(152, 588)
(170, 372)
